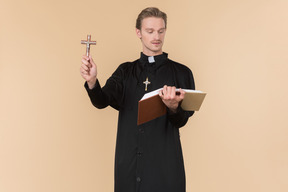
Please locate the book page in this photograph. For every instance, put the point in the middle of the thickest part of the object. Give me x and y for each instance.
(156, 92)
(150, 94)
(190, 90)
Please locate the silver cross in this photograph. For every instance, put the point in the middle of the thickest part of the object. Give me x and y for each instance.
(146, 83)
(88, 42)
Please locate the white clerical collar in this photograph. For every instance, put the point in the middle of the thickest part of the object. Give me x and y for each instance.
(151, 59)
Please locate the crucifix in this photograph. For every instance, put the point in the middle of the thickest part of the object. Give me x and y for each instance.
(146, 83)
(88, 42)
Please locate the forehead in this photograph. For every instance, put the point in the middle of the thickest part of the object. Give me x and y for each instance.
(153, 23)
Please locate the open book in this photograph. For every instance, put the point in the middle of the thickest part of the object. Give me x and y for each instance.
(151, 105)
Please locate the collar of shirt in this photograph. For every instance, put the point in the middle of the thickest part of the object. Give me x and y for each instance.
(148, 61)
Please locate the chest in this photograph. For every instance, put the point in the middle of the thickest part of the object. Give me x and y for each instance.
(138, 82)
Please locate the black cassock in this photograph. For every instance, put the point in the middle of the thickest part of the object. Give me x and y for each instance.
(148, 157)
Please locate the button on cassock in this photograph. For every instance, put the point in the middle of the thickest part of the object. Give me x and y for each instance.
(141, 130)
(138, 179)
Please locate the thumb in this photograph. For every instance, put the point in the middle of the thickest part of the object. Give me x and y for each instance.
(182, 94)
(91, 61)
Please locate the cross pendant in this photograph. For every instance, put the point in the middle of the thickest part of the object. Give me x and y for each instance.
(146, 83)
(88, 42)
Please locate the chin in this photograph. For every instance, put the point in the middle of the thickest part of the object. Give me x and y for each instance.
(156, 50)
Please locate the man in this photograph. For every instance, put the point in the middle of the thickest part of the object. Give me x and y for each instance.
(148, 157)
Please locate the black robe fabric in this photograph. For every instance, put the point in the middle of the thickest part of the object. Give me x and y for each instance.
(148, 157)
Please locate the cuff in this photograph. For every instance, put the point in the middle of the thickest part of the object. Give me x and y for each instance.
(94, 90)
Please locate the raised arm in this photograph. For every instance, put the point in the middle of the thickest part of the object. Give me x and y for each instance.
(88, 71)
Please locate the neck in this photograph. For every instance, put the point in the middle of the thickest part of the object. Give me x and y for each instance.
(152, 53)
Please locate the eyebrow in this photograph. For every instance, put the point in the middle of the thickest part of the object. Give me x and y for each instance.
(156, 30)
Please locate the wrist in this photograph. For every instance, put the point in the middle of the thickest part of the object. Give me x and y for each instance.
(91, 83)
(173, 110)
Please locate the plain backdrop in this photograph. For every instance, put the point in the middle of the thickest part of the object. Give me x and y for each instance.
(53, 140)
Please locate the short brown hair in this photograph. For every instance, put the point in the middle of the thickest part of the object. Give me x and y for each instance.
(150, 12)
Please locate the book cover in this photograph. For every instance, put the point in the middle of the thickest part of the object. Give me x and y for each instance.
(150, 108)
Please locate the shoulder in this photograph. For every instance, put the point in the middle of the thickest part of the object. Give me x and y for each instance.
(179, 67)
(183, 75)
(125, 67)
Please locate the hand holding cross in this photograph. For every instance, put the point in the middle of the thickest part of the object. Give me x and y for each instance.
(88, 69)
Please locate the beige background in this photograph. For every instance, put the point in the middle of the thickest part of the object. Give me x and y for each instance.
(53, 139)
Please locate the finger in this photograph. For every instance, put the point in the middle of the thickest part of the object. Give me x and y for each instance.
(83, 72)
(85, 67)
(164, 90)
(91, 60)
(180, 96)
(182, 92)
(85, 57)
(161, 94)
(170, 92)
(84, 61)
(167, 90)
(92, 63)
(173, 92)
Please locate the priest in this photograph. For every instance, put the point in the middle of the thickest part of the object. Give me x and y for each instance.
(148, 157)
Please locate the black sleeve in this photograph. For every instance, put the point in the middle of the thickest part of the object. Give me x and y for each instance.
(97, 97)
(180, 118)
(185, 80)
(110, 94)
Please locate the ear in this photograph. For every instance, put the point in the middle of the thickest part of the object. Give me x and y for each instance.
(138, 33)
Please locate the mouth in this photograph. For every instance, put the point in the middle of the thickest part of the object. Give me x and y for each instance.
(156, 42)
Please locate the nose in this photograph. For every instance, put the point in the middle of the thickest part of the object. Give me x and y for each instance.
(156, 36)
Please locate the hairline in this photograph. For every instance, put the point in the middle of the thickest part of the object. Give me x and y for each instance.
(150, 12)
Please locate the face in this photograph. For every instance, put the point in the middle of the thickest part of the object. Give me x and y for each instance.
(152, 35)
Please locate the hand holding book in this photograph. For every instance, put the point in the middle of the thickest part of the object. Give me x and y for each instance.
(152, 106)
(171, 98)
